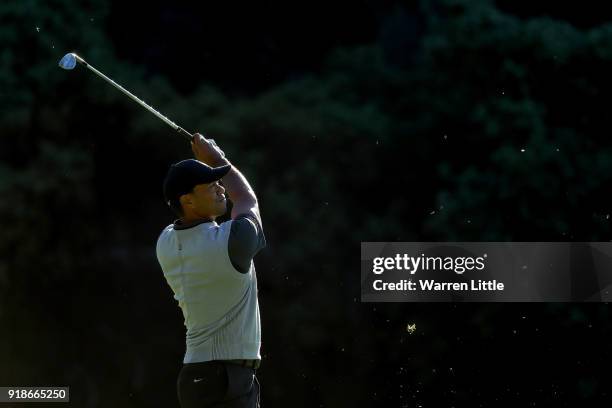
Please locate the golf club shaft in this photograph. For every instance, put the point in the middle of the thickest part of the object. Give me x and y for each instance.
(173, 125)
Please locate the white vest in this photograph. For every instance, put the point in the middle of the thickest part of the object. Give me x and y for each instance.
(219, 303)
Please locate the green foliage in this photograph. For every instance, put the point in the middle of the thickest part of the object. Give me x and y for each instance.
(40, 203)
(521, 99)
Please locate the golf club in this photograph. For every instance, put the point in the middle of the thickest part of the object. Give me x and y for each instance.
(69, 61)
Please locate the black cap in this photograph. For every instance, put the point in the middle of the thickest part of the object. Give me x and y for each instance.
(183, 176)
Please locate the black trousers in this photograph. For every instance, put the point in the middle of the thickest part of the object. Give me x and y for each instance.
(217, 384)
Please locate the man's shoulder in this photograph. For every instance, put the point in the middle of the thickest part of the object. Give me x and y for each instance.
(165, 232)
(168, 228)
(247, 221)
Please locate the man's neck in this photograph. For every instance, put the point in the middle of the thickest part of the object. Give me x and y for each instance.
(191, 221)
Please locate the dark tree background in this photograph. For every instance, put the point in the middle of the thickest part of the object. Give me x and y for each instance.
(449, 120)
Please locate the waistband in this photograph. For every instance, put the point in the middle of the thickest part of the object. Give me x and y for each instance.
(244, 363)
(241, 362)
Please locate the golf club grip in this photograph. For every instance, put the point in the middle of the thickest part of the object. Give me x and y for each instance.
(184, 133)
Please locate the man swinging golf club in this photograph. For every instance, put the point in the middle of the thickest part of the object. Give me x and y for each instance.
(210, 269)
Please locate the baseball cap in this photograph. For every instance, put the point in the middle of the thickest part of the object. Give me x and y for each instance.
(183, 176)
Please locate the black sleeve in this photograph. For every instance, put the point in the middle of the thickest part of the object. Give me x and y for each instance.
(245, 240)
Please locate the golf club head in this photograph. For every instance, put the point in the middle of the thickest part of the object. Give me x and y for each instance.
(68, 61)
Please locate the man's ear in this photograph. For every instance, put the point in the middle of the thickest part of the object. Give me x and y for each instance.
(186, 200)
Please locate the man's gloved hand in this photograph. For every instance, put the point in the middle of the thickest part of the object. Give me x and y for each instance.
(207, 151)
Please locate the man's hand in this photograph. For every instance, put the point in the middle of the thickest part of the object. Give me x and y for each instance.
(207, 151)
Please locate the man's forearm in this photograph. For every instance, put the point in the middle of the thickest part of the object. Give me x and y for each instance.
(236, 185)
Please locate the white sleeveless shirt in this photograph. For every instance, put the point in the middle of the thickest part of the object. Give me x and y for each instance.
(219, 303)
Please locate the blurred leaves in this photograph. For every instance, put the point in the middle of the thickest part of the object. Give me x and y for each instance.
(40, 203)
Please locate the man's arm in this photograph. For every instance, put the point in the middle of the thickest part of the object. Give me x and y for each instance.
(245, 241)
(246, 235)
(236, 185)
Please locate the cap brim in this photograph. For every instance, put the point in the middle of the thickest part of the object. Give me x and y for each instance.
(185, 175)
(221, 171)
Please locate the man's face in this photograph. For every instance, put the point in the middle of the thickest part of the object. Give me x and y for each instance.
(206, 200)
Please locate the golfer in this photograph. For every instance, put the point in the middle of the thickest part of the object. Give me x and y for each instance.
(209, 267)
